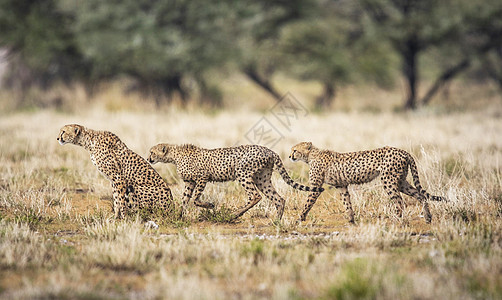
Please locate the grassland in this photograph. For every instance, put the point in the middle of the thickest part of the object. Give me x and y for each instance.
(58, 238)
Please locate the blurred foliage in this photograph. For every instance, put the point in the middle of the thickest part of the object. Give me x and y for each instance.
(40, 44)
(259, 38)
(336, 49)
(159, 43)
(415, 26)
(171, 48)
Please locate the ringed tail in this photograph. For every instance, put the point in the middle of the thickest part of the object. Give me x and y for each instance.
(416, 181)
(279, 167)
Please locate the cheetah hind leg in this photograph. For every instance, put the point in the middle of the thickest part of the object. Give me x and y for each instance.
(392, 190)
(130, 197)
(264, 184)
(344, 192)
(406, 188)
(155, 202)
(253, 196)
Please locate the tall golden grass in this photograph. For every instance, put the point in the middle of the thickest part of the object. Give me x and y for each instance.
(58, 238)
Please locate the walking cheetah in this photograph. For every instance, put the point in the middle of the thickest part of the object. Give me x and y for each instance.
(342, 169)
(251, 165)
(135, 183)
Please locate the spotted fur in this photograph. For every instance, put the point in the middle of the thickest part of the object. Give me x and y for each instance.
(251, 165)
(343, 169)
(135, 183)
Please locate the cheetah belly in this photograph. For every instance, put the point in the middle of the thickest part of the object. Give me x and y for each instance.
(221, 168)
(353, 172)
(359, 171)
(364, 177)
(223, 174)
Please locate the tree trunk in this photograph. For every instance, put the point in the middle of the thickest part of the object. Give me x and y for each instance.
(252, 73)
(208, 95)
(166, 88)
(325, 100)
(450, 73)
(493, 67)
(173, 84)
(160, 89)
(410, 71)
(444, 78)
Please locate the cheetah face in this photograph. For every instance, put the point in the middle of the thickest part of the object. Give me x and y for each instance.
(158, 153)
(300, 152)
(69, 134)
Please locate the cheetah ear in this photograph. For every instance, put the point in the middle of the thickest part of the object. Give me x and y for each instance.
(309, 145)
(164, 149)
(77, 130)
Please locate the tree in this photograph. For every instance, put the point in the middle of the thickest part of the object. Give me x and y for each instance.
(491, 63)
(161, 44)
(334, 48)
(484, 39)
(261, 22)
(412, 27)
(40, 45)
(477, 46)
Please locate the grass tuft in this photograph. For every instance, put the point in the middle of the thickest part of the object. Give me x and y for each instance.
(220, 214)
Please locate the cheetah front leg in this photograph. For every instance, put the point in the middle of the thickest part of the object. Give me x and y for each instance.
(308, 206)
(315, 181)
(119, 200)
(187, 194)
(199, 188)
(110, 167)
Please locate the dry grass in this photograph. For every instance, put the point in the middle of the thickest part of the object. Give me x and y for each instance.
(58, 238)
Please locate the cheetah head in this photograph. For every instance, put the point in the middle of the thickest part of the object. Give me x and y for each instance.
(159, 153)
(69, 134)
(301, 151)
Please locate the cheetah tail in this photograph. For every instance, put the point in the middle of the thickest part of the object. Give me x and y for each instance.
(416, 181)
(279, 167)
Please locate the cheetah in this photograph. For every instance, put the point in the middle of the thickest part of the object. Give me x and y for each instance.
(251, 165)
(135, 182)
(342, 169)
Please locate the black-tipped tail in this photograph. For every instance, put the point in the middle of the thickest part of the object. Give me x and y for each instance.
(279, 166)
(414, 173)
(435, 198)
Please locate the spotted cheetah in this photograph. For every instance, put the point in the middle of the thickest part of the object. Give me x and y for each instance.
(342, 169)
(251, 165)
(135, 183)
